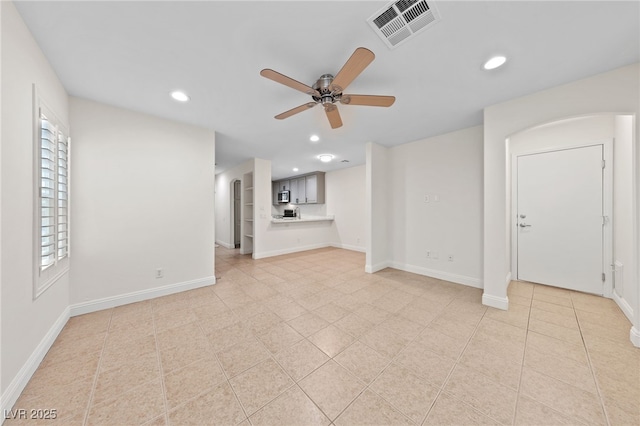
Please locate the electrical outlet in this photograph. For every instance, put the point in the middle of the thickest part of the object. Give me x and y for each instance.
(159, 273)
(426, 198)
(450, 258)
(428, 255)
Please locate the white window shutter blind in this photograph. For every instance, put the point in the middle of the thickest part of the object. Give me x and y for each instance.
(52, 204)
(47, 197)
(62, 197)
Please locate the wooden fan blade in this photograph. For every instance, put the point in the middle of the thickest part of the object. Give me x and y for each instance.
(288, 81)
(334, 116)
(358, 61)
(295, 110)
(369, 100)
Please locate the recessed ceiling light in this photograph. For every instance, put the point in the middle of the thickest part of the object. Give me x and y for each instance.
(325, 158)
(314, 138)
(494, 62)
(295, 169)
(180, 96)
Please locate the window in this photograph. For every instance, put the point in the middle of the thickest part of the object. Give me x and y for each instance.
(52, 200)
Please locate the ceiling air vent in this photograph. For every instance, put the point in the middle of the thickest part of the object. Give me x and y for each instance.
(403, 19)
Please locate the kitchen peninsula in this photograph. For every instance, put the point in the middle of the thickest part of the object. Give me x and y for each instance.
(302, 219)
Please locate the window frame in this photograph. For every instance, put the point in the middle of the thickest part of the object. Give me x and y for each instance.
(45, 277)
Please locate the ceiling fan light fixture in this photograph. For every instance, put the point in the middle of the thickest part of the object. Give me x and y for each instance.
(180, 96)
(494, 62)
(325, 158)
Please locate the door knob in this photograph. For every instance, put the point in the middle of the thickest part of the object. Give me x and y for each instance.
(522, 216)
(524, 225)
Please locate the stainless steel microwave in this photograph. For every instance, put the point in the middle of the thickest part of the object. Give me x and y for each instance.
(283, 197)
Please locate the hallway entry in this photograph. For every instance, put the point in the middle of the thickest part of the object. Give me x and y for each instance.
(560, 218)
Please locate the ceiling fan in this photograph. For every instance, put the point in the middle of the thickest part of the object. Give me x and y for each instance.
(328, 89)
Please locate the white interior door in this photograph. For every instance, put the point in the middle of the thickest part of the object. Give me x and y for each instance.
(560, 218)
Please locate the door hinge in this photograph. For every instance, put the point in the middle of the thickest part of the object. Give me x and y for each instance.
(603, 163)
(603, 277)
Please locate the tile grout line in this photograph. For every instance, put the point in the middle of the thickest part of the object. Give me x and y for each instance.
(456, 363)
(524, 354)
(161, 370)
(591, 369)
(215, 354)
(573, 418)
(95, 379)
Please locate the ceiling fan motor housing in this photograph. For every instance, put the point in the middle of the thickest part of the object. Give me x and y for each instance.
(328, 95)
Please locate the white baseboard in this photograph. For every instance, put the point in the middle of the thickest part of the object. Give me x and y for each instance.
(624, 306)
(634, 335)
(225, 245)
(441, 275)
(19, 382)
(138, 296)
(370, 269)
(349, 247)
(495, 301)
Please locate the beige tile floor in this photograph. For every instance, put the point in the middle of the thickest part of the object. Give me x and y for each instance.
(310, 339)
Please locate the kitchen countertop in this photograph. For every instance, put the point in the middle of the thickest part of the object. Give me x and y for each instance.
(305, 218)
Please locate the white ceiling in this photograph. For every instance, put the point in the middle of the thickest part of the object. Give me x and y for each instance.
(132, 54)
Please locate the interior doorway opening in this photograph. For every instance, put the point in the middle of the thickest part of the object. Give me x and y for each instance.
(615, 132)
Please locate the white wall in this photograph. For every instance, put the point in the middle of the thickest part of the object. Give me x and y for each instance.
(625, 288)
(377, 208)
(26, 323)
(614, 92)
(143, 198)
(346, 201)
(447, 169)
(223, 203)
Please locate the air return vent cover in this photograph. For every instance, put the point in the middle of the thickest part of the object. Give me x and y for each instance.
(401, 20)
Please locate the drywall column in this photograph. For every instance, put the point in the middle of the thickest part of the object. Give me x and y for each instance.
(377, 201)
(634, 333)
(262, 202)
(614, 91)
(345, 195)
(623, 226)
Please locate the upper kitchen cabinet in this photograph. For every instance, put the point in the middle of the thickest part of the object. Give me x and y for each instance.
(305, 189)
(314, 186)
(298, 190)
(281, 185)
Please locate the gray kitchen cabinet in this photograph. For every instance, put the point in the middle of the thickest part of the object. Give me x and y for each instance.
(274, 192)
(298, 190)
(277, 186)
(305, 189)
(314, 186)
(311, 187)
